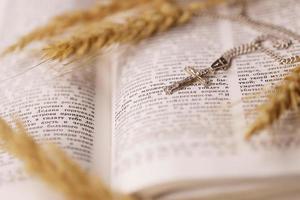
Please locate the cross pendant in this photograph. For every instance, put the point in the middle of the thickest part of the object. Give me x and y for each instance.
(197, 75)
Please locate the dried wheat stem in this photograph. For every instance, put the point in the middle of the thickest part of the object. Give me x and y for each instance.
(53, 166)
(60, 23)
(286, 97)
(99, 35)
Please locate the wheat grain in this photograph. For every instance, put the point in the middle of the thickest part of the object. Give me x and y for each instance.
(99, 35)
(60, 23)
(286, 97)
(53, 166)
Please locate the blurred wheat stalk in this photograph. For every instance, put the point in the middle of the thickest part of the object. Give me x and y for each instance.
(61, 23)
(93, 32)
(53, 166)
(286, 97)
(98, 35)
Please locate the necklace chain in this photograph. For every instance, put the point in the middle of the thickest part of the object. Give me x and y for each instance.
(277, 35)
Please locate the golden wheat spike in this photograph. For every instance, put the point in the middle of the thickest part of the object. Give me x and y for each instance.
(53, 166)
(59, 24)
(99, 35)
(286, 97)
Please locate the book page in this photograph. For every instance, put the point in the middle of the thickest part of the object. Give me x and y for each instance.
(56, 106)
(196, 134)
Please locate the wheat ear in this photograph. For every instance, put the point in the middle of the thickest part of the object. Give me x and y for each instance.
(59, 24)
(99, 35)
(286, 97)
(53, 166)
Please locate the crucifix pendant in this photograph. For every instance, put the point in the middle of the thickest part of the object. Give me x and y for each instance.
(200, 76)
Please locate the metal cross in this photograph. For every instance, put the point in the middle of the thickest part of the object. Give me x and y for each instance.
(197, 75)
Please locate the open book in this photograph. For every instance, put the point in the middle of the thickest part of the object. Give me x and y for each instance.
(119, 123)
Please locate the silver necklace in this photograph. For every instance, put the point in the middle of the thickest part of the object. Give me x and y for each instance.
(224, 62)
(277, 35)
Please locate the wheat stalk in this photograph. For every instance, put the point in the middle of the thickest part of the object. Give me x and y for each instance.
(53, 166)
(100, 35)
(286, 97)
(59, 24)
